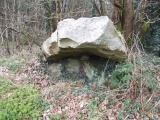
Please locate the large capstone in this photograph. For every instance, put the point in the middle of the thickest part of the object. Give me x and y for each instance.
(85, 36)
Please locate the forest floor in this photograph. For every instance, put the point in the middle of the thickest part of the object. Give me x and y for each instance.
(77, 100)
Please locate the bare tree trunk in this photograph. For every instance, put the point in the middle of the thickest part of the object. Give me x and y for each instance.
(6, 25)
(12, 22)
(6, 18)
(18, 24)
(65, 6)
(101, 7)
(117, 14)
(58, 10)
(128, 19)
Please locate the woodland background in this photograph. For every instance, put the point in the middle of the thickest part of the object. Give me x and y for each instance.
(32, 21)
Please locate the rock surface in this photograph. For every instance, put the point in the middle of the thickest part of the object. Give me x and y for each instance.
(94, 69)
(85, 36)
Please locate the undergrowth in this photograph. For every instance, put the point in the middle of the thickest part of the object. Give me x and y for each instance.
(144, 69)
(132, 91)
(13, 63)
(19, 102)
(138, 85)
(6, 86)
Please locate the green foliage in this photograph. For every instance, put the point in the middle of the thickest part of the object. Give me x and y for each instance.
(120, 115)
(129, 108)
(93, 104)
(111, 102)
(144, 68)
(13, 63)
(6, 86)
(150, 66)
(24, 103)
(1, 61)
(121, 76)
(138, 76)
(58, 117)
(94, 112)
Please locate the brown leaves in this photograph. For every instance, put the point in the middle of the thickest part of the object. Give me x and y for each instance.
(65, 102)
(5, 72)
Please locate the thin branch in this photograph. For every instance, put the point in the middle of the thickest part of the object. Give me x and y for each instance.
(2, 35)
(117, 5)
(95, 6)
(137, 10)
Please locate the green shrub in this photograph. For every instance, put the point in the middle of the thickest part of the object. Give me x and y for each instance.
(143, 69)
(121, 76)
(6, 86)
(24, 103)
